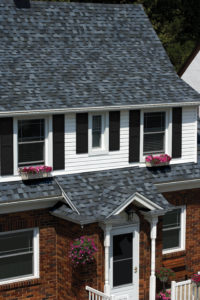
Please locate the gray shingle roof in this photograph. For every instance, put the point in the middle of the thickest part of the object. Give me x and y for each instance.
(28, 190)
(71, 55)
(97, 194)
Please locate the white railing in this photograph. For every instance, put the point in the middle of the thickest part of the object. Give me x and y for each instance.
(97, 295)
(184, 290)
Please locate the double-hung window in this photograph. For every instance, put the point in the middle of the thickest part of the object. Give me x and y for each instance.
(19, 255)
(154, 133)
(97, 133)
(174, 230)
(31, 142)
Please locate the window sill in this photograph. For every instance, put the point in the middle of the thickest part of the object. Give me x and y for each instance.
(98, 153)
(20, 282)
(172, 251)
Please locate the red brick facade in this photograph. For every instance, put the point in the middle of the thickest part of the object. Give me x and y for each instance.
(60, 281)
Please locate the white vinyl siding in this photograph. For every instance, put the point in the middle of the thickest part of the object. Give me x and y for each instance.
(86, 162)
(192, 73)
(189, 135)
(75, 163)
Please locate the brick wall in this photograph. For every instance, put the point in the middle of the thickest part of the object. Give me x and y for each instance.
(45, 287)
(184, 263)
(60, 281)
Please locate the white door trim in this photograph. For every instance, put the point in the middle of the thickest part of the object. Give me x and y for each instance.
(134, 228)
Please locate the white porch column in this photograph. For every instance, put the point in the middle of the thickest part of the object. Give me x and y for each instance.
(107, 230)
(153, 220)
(152, 291)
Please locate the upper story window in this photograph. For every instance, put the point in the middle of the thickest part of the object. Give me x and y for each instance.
(97, 134)
(96, 131)
(19, 255)
(154, 133)
(174, 230)
(31, 142)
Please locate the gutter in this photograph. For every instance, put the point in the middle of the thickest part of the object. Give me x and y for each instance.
(97, 108)
(178, 185)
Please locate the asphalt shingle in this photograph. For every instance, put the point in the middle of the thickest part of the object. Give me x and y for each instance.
(72, 55)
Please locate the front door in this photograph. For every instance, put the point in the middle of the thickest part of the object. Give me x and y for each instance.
(124, 263)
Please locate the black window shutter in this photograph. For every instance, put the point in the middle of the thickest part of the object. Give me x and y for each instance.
(176, 132)
(134, 136)
(114, 130)
(6, 146)
(58, 142)
(82, 133)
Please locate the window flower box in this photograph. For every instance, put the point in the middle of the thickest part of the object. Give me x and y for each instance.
(157, 160)
(28, 173)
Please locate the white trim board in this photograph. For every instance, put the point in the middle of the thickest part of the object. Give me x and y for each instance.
(98, 108)
(178, 185)
(25, 205)
(138, 198)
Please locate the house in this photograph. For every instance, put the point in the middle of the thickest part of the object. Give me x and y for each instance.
(189, 72)
(88, 90)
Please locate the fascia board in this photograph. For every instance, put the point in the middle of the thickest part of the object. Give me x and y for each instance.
(98, 108)
(24, 205)
(135, 197)
(178, 185)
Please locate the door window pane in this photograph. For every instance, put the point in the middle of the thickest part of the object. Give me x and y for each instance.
(96, 131)
(122, 272)
(122, 259)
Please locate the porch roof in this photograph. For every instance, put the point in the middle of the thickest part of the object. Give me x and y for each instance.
(96, 195)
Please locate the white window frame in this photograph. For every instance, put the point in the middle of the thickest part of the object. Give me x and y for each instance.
(168, 131)
(48, 141)
(36, 261)
(182, 232)
(104, 134)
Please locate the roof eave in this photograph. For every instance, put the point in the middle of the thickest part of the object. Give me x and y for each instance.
(96, 108)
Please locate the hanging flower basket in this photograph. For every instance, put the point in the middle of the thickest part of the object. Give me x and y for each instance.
(82, 251)
(36, 172)
(157, 160)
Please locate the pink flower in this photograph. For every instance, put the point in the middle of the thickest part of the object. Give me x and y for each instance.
(35, 169)
(157, 159)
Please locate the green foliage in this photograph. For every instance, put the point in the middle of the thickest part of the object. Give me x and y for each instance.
(177, 23)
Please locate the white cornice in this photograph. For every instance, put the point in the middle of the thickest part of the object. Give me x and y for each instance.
(178, 185)
(138, 198)
(98, 108)
(24, 205)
